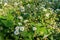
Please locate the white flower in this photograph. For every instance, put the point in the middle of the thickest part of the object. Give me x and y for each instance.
(50, 2)
(22, 8)
(28, 5)
(34, 28)
(5, 4)
(36, 8)
(25, 21)
(16, 32)
(47, 15)
(17, 28)
(21, 28)
(15, 4)
(25, 13)
(20, 17)
(19, 23)
(57, 9)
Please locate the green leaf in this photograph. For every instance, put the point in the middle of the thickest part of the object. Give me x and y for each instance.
(1, 36)
(10, 17)
(43, 30)
(7, 23)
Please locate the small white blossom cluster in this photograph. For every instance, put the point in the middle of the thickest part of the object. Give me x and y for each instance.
(28, 5)
(47, 14)
(21, 28)
(19, 23)
(36, 8)
(50, 2)
(22, 9)
(25, 13)
(15, 4)
(20, 17)
(34, 28)
(5, 4)
(25, 21)
(57, 9)
(17, 29)
(16, 32)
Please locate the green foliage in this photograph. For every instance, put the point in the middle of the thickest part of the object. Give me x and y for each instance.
(29, 20)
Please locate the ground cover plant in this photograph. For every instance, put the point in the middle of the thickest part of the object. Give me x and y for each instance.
(29, 20)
